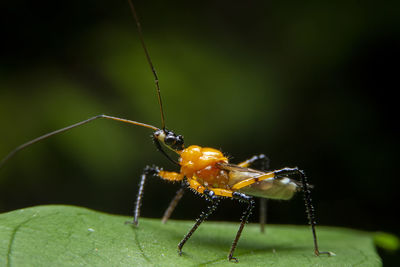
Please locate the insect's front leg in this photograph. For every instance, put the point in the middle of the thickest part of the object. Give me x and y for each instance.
(262, 163)
(152, 171)
(148, 171)
(250, 201)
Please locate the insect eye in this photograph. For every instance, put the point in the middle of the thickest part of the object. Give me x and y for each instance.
(169, 139)
(178, 145)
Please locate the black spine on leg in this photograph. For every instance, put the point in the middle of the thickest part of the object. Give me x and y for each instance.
(309, 206)
(309, 209)
(148, 171)
(210, 195)
(243, 220)
(308, 202)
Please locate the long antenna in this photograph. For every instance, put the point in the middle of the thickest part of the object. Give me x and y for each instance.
(149, 61)
(31, 142)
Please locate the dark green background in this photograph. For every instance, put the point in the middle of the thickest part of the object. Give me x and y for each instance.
(310, 84)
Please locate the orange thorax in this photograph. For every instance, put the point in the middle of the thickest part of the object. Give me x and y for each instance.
(200, 163)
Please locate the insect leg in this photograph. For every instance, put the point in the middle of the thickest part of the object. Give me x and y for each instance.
(261, 160)
(311, 212)
(284, 172)
(262, 163)
(173, 203)
(148, 170)
(243, 221)
(197, 187)
(210, 195)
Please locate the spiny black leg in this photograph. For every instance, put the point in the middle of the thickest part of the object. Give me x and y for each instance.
(243, 221)
(173, 203)
(308, 202)
(311, 212)
(148, 170)
(210, 209)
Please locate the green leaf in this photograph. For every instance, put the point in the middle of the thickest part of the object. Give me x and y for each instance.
(387, 241)
(71, 236)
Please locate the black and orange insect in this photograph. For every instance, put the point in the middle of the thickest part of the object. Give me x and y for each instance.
(207, 171)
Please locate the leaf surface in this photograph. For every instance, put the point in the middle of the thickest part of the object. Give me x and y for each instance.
(58, 235)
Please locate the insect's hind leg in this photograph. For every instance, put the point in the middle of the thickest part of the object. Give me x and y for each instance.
(210, 195)
(308, 202)
(262, 163)
(250, 201)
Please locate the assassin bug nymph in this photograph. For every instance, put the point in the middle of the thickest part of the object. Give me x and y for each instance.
(208, 172)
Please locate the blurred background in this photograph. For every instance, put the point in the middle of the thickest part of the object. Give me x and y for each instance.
(308, 84)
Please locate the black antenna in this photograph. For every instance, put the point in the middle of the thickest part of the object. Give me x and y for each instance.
(149, 61)
(31, 142)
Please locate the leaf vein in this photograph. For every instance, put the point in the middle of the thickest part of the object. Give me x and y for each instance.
(12, 239)
(140, 247)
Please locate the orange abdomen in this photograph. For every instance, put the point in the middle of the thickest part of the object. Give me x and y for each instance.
(201, 162)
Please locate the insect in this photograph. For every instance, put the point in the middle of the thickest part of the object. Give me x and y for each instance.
(207, 171)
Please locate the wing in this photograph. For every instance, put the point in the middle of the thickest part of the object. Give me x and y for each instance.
(258, 183)
(236, 168)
